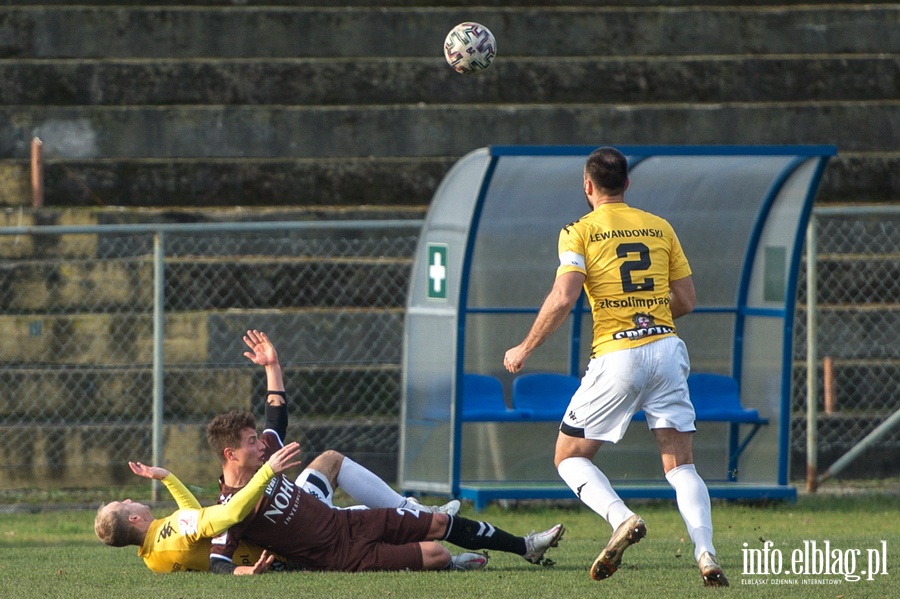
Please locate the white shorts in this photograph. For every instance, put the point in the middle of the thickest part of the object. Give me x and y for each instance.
(316, 484)
(651, 377)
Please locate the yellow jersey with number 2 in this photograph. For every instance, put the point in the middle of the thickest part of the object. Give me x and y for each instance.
(628, 256)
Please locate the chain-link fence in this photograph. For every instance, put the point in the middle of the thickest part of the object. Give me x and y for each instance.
(77, 340)
(78, 376)
(855, 336)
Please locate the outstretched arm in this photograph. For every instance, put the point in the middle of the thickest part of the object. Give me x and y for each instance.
(183, 497)
(262, 352)
(553, 313)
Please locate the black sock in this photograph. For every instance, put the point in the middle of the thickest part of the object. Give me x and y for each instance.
(472, 534)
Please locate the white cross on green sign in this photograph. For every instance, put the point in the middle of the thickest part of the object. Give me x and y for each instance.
(437, 271)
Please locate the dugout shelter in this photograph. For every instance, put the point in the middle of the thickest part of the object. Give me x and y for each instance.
(487, 258)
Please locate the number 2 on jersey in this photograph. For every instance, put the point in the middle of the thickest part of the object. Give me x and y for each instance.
(634, 266)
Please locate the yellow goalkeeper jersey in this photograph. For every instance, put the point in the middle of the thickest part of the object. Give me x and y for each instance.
(628, 256)
(181, 541)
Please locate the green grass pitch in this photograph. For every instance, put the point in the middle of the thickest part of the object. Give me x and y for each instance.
(54, 554)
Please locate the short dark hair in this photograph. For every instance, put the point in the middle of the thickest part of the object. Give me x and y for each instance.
(225, 430)
(607, 168)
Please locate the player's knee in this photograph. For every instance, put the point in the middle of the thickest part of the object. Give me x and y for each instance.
(434, 555)
(439, 524)
(331, 457)
(561, 452)
(328, 463)
(569, 447)
(559, 457)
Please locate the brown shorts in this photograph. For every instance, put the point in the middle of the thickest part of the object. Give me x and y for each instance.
(384, 539)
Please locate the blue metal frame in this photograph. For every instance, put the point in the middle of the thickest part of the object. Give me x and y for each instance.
(786, 314)
(461, 325)
(747, 266)
(735, 446)
(482, 496)
(789, 310)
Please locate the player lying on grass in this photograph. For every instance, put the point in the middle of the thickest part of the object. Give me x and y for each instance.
(294, 523)
(181, 541)
(291, 521)
(173, 549)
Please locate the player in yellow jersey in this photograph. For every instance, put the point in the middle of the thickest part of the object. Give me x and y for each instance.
(638, 281)
(181, 541)
(166, 548)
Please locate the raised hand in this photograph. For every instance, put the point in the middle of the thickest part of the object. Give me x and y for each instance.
(154, 472)
(284, 458)
(262, 352)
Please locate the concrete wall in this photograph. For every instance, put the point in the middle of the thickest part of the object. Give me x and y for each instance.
(218, 104)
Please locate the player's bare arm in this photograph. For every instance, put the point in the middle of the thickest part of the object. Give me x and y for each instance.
(262, 352)
(154, 472)
(553, 313)
(682, 296)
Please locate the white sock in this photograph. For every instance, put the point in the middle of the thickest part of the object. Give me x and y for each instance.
(593, 488)
(692, 497)
(364, 486)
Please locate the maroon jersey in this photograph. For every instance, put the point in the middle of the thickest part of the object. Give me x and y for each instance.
(296, 525)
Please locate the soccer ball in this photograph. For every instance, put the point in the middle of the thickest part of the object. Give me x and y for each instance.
(470, 48)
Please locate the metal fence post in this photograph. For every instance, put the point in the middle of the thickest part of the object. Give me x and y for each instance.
(811, 355)
(159, 253)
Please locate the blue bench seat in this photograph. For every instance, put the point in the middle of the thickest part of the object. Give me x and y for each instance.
(543, 397)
